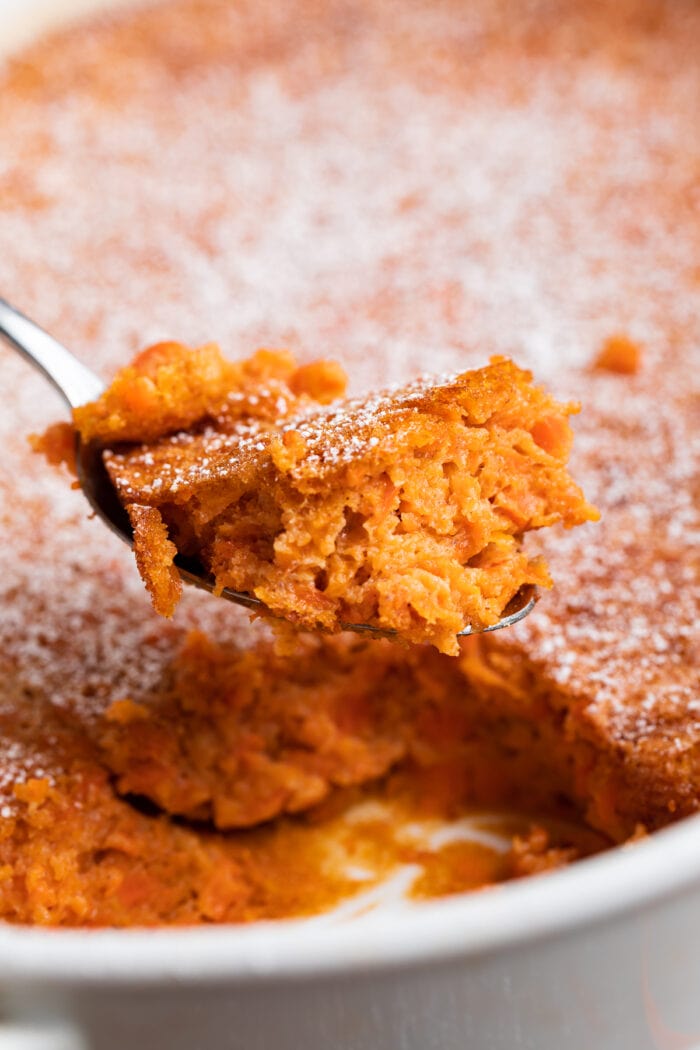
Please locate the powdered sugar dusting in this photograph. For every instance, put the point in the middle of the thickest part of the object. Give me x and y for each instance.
(407, 195)
(333, 435)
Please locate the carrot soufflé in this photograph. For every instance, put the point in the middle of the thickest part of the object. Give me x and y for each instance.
(404, 511)
(406, 194)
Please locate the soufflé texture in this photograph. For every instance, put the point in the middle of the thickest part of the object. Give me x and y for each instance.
(404, 511)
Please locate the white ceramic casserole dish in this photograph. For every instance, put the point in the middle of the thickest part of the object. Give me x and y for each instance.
(603, 954)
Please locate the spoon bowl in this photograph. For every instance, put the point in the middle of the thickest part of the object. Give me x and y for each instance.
(78, 385)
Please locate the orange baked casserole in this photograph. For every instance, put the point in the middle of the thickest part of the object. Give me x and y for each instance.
(405, 195)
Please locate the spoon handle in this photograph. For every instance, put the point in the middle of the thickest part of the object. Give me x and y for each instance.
(76, 383)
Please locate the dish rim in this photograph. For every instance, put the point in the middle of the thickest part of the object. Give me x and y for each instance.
(611, 885)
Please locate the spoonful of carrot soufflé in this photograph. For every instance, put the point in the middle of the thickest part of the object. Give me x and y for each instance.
(400, 513)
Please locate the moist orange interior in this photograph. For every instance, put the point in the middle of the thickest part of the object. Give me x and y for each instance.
(503, 180)
(403, 510)
(310, 765)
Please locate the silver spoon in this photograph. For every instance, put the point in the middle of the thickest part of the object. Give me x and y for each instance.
(78, 385)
